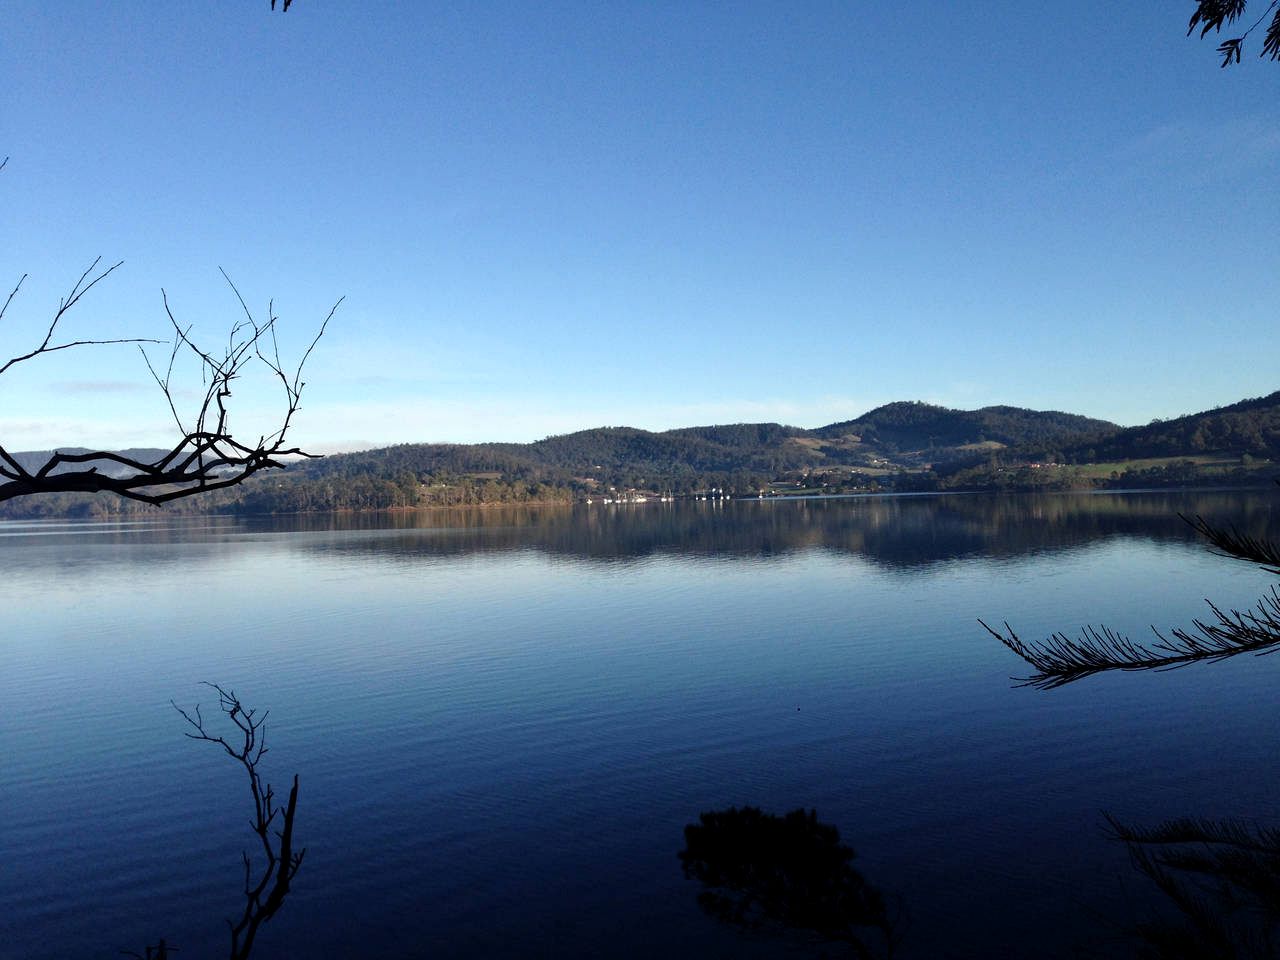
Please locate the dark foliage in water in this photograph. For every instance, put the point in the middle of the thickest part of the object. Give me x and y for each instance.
(766, 873)
(1221, 876)
(161, 951)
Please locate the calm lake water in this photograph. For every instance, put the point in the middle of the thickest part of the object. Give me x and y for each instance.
(503, 719)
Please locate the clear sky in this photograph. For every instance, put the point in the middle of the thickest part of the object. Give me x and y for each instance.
(548, 217)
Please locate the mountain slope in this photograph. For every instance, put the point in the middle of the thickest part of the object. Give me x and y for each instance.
(887, 448)
(1247, 427)
(35, 459)
(903, 434)
(913, 426)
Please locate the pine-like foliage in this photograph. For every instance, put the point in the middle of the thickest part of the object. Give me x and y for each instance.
(1061, 659)
(1221, 876)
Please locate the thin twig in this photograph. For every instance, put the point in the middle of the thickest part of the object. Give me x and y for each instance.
(207, 456)
(264, 896)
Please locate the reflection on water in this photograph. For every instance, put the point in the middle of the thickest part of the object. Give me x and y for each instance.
(894, 532)
(1221, 881)
(788, 875)
(505, 718)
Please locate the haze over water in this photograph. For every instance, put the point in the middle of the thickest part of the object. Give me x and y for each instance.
(503, 719)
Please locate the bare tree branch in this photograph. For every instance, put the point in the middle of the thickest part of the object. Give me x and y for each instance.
(161, 951)
(69, 301)
(207, 456)
(272, 823)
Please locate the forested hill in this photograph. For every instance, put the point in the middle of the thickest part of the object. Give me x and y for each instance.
(899, 446)
(896, 446)
(604, 450)
(899, 434)
(35, 459)
(907, 426)
(1250, 427)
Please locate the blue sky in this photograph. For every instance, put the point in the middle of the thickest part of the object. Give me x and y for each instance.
(548, 217)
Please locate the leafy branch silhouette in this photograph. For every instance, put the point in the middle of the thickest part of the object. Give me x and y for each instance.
(1214, 14)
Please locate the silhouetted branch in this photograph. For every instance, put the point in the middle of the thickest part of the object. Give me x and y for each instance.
(1213, 14)
(1231, 542)
(1060, 659)
(1223, 876)
(263, 897)
(82, 286)
(161, 951)
(207, 457)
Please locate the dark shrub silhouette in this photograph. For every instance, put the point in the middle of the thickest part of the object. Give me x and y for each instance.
(776, 874)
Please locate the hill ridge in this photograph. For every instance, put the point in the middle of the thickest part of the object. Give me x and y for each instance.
(900, 446)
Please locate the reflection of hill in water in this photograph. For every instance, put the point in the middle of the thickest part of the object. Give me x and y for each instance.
(896, 532)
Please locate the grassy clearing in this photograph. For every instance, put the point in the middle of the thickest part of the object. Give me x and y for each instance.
(1209, 464)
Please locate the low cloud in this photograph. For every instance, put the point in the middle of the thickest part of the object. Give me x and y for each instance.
(56, 432)
(1205, 152)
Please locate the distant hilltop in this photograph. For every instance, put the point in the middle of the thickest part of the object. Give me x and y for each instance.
(896, 447)
(35, 459)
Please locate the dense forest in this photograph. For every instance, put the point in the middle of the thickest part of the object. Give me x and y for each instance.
(1248, 428)
(897, 447)
(915, 428)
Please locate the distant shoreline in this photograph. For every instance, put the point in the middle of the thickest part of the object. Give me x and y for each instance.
(155, 513)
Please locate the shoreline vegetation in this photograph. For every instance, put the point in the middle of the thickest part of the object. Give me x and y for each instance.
(107, 509)
(897, 448)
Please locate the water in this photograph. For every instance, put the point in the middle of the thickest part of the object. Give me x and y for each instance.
(504, 719)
